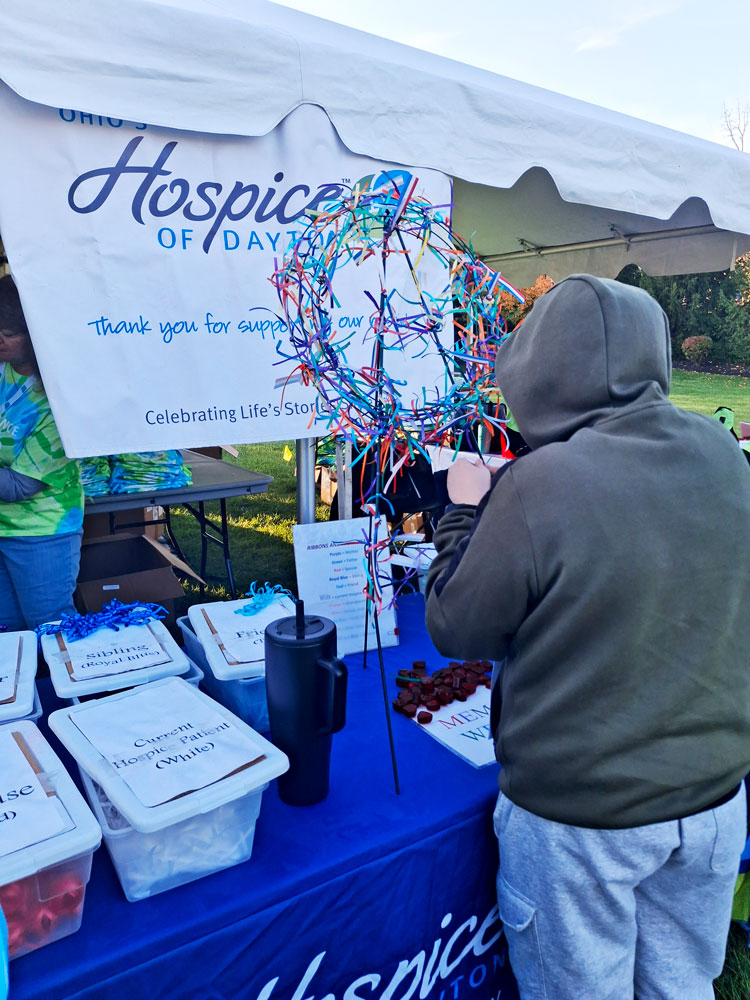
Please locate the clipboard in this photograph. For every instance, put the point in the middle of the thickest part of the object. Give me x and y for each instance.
(69, 665)
(7, 701)
(227, 656)
(33, 763)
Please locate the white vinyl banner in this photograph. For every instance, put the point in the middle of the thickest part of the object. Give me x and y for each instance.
(143, 257)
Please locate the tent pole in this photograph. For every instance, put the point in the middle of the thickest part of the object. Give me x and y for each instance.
(609, 241)
(306, 481)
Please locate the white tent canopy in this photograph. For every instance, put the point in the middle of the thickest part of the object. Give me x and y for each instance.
(542, 183)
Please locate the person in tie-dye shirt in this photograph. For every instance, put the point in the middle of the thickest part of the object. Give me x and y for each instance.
(41, 499)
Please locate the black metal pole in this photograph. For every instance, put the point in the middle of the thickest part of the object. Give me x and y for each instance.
(373, 558)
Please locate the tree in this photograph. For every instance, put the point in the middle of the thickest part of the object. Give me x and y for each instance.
(735, 123)
(715, 305)
(513, 311)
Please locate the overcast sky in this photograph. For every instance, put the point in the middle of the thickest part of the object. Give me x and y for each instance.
(673, 62)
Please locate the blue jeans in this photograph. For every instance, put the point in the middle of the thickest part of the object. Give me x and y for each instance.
(37, 578)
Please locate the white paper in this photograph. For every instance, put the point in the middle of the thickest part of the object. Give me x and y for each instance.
(10, 657)
(332, 580)
(417, 557)
(443, 458)
(243, 636)
(464, 727)
(107, 652)
(165, 741)
(27, 814)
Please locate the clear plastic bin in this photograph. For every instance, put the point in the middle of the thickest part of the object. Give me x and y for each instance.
(67, 687)
(34, 715)
(155, 847)
(194, 676)
(46, 906)
(3, 957)
(43, 882)
(246, 697)
(149, 863)
(19, 655)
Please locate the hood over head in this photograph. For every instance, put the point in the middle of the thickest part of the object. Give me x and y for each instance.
(589, 347)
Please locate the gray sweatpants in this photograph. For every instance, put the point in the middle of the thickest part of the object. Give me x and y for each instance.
(613, 914)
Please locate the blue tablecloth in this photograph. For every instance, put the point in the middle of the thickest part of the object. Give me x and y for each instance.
(367, 895)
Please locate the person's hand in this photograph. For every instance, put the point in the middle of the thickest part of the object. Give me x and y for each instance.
(468, 481)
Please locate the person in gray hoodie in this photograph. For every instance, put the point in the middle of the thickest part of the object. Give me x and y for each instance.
(607, 573)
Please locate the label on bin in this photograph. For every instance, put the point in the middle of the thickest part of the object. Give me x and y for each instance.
(243, 636)
(28, 815)
(10, 658)
(165, 742)
(107, 652)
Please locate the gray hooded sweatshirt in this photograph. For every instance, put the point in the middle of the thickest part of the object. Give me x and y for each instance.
(610, 569)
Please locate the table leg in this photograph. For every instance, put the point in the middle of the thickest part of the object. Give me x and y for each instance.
(220, 538)
(204, 537)
(171, 535)
(225, 547)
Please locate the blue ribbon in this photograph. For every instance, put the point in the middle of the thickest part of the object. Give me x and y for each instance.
(262, 597)
(114, 615)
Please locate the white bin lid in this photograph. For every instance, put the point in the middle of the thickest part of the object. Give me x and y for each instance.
(84, 833)
(147, 819)
(67, 687)
(23, 669)
(204, 616)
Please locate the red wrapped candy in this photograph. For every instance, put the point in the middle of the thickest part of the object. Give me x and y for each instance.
(67, 896)
(15, 939)
(14, 898)
(39, 923)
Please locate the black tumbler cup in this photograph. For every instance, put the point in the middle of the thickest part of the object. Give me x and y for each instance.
(306, 690)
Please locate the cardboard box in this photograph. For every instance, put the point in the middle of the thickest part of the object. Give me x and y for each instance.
(98, 525)
(130, 568)
(413, 524)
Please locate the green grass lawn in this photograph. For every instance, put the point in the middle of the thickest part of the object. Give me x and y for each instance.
(260, 528)
(704, 393)
(261, 545)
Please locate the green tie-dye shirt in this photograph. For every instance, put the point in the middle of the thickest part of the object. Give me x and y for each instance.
(30, 445)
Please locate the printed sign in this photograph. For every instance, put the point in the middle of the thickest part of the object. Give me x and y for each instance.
(241, 638)
(172, 239)
(464, 728)
(107, 652)
(465, 961)
(10, 659)
(332, 580)
(27, 814)
(165, 742)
